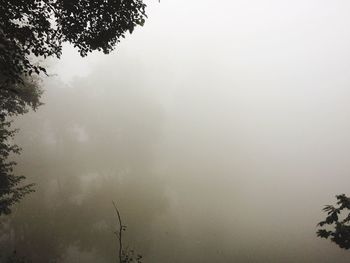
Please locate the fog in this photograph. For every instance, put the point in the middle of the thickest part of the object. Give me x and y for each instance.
(220, 129)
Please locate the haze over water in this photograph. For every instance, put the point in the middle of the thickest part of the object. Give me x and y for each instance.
(220, 128)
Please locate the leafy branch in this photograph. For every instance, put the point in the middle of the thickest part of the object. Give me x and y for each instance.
(338, 218)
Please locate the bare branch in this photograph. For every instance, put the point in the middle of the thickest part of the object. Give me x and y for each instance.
(119, 235)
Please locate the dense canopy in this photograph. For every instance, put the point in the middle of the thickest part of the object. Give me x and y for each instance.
(39, 27)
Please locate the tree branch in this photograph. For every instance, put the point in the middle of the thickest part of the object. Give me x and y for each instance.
(119, 235)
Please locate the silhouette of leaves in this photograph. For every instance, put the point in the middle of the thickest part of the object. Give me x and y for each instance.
(341, 228)
(37, 28)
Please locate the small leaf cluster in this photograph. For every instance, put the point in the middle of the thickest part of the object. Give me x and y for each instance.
(130, 256)
(338, 218)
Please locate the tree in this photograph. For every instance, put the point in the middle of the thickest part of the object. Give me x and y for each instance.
(15, 100)
(34, 29)
(39, 27)
(339, 219)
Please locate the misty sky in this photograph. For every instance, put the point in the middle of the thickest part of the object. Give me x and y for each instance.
(223, 127)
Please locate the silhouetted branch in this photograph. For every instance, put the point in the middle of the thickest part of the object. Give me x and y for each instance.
(119, 233)
(125, 255)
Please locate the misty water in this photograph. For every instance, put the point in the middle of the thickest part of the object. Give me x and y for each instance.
(220, 129)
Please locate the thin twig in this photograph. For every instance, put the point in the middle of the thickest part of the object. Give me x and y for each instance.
(119, 235)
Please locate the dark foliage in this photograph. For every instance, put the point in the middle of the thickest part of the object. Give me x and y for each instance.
(32, 29)
(338, 217)
(15, 100)
(39, 27)
(10, 191)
